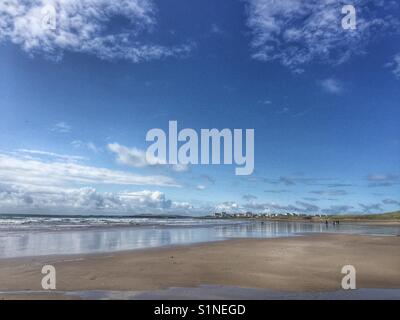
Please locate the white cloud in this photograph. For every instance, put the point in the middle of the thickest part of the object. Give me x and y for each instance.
(61, 127)
(179, 167)
(78, 144)
(249, 197)
(228, 206)
(129, 156)
(82, 26)
(332, 85)
(395, 65)
(201, 187)
(391, 202)
(20, 171)
(372, 207)
(383, 180)
(216, 29)
(85, 200)
(297, 32)
(149, 199)
(267, 207)
(339, 209)
(41, 153)
(137, 158)
(51, 183)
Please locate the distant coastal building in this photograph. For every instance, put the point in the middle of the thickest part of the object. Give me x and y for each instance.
(249, 214)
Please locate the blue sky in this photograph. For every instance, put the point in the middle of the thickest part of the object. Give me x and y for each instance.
(77, 101)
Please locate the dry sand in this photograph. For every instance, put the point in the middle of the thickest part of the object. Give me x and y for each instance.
(306, 263)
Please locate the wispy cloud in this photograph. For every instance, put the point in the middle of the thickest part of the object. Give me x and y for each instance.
(311, 199)
(41, 153)
(331, 85)
(276, 191)
(249, 197)
(338, 209)
(20, 171)
(371, 208)
(78, 144)
(83, 26)
(394, 65)
(294, 180)
(391, 202)
(383, 180)
(333, 193)
(268, 207)
(308, 207)
(297, 32)
(208, 178)
(61, 127)
(215, 29)
(339, 185)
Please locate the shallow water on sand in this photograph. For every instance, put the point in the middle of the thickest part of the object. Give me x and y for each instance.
(216, 292)
(34, 242)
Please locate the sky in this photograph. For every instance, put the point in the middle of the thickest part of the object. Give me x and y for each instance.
(77, 99)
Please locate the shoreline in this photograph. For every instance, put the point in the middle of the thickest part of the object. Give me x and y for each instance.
(206, 292)
(82, 256)
(307, 263)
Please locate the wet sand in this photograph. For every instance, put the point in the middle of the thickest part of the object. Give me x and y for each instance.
(310, 263)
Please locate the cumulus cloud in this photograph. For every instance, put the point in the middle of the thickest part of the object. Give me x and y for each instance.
(150, 199)
(52, 27)
(298, 207)
(267, 207)
(228, 206)
(85, 200)
(137, 158)
(272, 207)
(297, 32)
(46, 182)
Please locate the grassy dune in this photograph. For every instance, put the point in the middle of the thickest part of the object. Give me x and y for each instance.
(379, 216)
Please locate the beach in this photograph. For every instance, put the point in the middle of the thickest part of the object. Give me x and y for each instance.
(306, 263)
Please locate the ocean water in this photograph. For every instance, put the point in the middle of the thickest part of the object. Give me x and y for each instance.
(38, 236)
